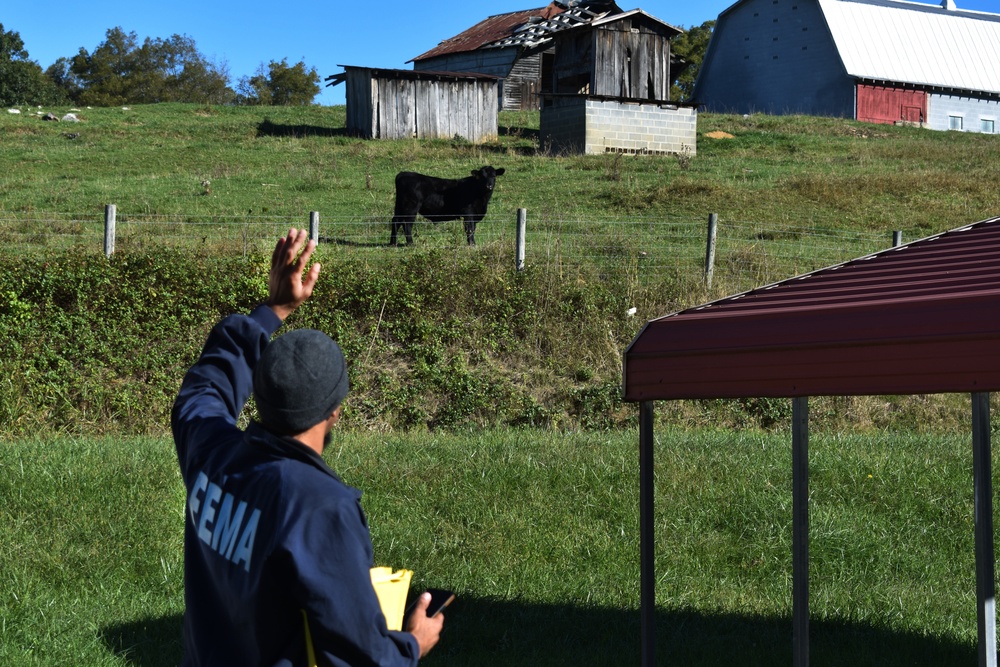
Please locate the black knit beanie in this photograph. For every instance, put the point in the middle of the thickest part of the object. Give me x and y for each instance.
(299, 381)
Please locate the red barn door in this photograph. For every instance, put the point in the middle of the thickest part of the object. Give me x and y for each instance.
(884, 104)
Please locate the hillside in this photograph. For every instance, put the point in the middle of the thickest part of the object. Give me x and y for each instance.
(440, 335)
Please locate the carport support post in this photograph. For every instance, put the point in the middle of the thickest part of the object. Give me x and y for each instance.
(800, 531)
(982, 482)
(647, 582)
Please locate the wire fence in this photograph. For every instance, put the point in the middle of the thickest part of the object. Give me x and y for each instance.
(747, 253)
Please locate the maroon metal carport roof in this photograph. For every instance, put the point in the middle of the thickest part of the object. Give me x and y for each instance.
(919, 318)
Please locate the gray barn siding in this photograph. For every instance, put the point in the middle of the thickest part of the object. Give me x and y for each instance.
(393, 107)
(502, 62)
(759, 48)
(973, 110)
(360, 102)
(520, 89)
(645, 76)
(495, 62)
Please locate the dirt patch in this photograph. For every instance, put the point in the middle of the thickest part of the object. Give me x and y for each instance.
(719, 134)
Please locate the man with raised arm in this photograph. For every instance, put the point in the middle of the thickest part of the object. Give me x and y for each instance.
(277, 550)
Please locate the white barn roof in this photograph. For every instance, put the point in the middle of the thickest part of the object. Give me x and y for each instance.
(916, 43)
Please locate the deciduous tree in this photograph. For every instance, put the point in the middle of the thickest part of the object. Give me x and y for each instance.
(690, 46)
(22, 80)
(121, 71)
(280, 84)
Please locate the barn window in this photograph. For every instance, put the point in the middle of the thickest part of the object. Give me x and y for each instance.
(986, 125)
(954, 122)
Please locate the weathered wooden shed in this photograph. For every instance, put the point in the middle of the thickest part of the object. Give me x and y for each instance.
(608, 90)
(917, 319)
(624, 55)
(516, 46)
(403, 104)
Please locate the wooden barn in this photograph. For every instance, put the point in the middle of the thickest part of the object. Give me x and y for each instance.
(881, 61)
(921, 318)
(626, 55)
(609, 89)
(516, 46)
(403, 104)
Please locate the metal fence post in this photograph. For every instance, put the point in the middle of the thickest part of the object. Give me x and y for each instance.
(522, 222)
(109, 230)
(314, 226)
(713, 221)
(897, 239)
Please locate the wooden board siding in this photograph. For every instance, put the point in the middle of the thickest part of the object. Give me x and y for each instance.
(522, 85)
(396, 104)
(627, 58)
(631, 64)
(887, 105)
(501, 62)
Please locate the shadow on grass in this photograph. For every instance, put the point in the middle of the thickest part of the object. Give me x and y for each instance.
(356, 244)
(149, 642)
(498, 633)
(267, 128)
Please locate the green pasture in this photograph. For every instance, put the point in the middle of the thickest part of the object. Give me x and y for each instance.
(485, 425)
(538, 533)
(793, 194)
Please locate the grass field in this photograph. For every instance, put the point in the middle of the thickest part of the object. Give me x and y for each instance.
(792, 193)
(536, 529)
(538, 534)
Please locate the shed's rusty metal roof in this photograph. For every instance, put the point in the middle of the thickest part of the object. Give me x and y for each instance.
(526, 28)
(493, 29)
(920, 318)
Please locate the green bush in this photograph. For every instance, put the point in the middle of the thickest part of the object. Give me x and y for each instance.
(434, 340)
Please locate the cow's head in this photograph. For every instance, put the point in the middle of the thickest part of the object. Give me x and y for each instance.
(488, 176)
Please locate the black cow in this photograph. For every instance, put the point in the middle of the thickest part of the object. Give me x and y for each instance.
(439, 199)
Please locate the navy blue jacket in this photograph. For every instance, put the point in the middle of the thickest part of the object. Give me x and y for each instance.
(270, 529)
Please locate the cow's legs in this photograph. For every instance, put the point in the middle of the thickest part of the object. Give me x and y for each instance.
(404, 222)
(470, 230)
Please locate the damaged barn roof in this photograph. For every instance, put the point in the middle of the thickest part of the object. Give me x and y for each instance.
(526, 28)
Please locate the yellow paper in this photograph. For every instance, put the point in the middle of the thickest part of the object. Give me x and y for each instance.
(391, 586)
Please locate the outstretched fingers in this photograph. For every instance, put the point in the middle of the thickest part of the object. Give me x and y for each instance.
(287, 287)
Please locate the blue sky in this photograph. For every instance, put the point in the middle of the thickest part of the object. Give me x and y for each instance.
(245, 34)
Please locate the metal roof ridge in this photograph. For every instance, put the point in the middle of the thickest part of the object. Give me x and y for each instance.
(832, 267)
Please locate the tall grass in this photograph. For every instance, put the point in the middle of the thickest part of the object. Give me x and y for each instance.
(538, 534)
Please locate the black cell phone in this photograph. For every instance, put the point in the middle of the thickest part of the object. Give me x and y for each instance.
(440, 598)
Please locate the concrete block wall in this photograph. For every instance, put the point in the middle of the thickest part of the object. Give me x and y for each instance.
(593, 126)
(973, 111)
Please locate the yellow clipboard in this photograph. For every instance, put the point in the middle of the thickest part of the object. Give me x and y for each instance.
(391, 586)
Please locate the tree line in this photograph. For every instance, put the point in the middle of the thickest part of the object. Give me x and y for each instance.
(121, 70)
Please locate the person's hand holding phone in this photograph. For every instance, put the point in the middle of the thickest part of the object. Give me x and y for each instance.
(423, 624)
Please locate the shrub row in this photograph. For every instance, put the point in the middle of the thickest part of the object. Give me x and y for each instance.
(435, 339)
